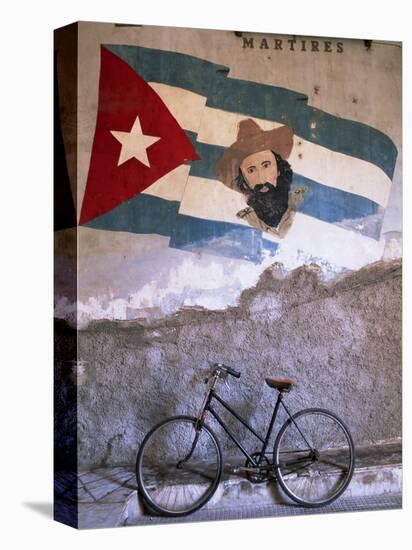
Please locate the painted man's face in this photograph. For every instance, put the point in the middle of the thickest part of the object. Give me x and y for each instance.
(267, 192)
(260, 168)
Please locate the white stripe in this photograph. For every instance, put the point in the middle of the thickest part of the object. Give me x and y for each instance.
(313, 161)
(171, 186)
(211, 200)
(187, 107)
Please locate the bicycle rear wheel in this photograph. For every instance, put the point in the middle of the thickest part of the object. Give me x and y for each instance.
(314, 456)
(178, 468)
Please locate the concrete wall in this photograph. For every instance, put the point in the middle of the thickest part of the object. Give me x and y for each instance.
(340, 342)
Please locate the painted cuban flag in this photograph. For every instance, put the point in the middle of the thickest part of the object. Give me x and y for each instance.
(164, 120)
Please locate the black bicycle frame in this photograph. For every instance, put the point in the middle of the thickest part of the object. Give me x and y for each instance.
(264, 441)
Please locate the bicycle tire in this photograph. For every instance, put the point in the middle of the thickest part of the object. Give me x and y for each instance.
(325, 474)
(168, 489)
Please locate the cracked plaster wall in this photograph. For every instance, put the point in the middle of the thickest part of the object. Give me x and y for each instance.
(340, 341)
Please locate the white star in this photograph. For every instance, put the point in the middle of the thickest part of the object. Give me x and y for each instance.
(134, 143)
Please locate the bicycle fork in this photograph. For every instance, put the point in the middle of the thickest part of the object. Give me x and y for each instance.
(181, 462)
(199, 421)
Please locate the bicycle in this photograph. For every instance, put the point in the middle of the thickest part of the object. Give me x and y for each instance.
(179, 463)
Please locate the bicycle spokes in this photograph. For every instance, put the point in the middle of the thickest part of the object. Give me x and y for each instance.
(178, 467)
(318, 473)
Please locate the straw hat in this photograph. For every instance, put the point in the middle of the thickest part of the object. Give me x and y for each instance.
(252, 139)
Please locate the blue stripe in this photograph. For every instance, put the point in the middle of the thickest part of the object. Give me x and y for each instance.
(142, 214)
(221, 238)
(262, 101)
(147, 214)
(340, 207)
(185, 71)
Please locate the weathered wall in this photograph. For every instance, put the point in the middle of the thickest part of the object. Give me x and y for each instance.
(340, 341)
(163, 282)
(179, 242)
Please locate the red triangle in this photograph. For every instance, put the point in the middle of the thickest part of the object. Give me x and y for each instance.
(124, 95)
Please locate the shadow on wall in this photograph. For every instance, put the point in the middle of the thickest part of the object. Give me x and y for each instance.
(65, 424)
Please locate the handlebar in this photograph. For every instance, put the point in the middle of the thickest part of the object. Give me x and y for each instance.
(227, 369)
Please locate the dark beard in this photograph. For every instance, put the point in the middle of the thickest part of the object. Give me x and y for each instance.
(272, 204)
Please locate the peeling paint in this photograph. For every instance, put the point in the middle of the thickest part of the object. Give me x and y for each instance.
(132, 289)
(370, 225)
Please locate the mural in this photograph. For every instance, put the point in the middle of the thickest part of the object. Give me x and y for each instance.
(205, 157)
(194, 111)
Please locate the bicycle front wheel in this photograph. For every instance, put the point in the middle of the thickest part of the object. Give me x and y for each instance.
(314, 457)
(178, 468)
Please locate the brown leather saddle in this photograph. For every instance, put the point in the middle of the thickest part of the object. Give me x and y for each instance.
(280, 384)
